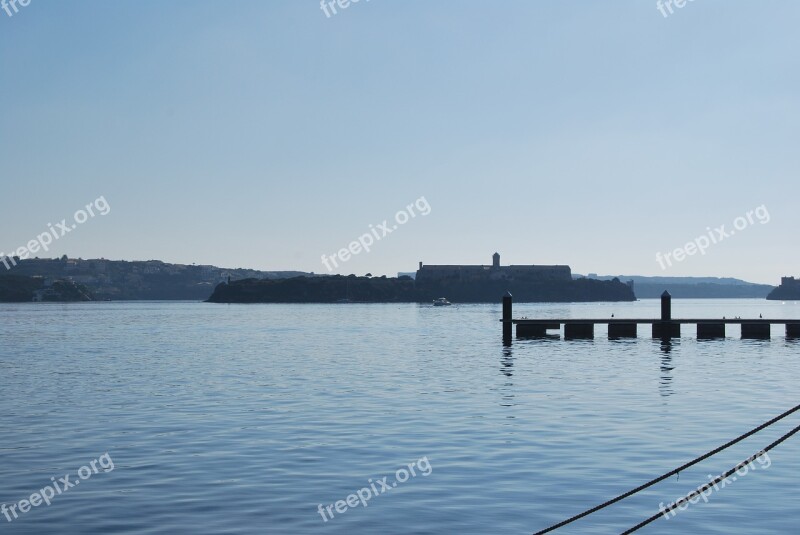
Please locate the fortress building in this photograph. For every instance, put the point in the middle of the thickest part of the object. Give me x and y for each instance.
(789, 290)
(495, 271)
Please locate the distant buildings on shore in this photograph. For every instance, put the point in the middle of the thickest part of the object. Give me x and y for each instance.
(789, 290)
(432, 273)
(147, 279)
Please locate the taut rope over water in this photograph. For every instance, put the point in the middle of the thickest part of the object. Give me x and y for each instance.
(678, 471)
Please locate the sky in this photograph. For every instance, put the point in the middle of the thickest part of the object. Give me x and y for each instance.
(266, 134)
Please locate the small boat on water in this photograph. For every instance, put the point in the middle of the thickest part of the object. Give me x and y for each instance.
(441, 302)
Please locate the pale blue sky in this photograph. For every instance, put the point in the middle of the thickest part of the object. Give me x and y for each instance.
(262, 134)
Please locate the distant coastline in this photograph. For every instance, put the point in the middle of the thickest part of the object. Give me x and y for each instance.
(339, 288)
(693, 287)
(20, 289)
(120, 280)
(65, 279)
(458, 283)
(789, 290)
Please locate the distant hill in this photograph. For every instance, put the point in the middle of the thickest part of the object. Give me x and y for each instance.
(337, 288)
(19, 289)
(111, 280)
(789, 290)
(100, 279)
(692, 287)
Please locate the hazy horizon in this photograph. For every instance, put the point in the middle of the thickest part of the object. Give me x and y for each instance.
(266, 135)
(395, 273)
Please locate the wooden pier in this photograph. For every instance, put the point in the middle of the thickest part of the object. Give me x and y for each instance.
(664, 327)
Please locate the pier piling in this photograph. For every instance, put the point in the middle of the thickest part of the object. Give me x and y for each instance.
(666, 306)
(535, 331)
(666, 328)
(709, 331)
(507, 317)
(756, 331)
(793, 330)
(621, 330)
(574, 331)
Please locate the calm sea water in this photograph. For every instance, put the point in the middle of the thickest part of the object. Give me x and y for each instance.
(244, 419)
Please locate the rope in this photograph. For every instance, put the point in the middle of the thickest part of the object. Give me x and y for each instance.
(670, 473)
(716, 480)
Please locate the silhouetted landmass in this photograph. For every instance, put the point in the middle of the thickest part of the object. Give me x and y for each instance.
(138, 280)
(694, 287)
(19, 289)
(330, 289)
(789, 290)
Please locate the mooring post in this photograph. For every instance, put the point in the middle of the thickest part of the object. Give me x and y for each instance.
(666, 328)
(507, 317)
(666, 306)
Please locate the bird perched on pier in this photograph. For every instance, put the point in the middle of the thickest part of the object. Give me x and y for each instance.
(760, 316)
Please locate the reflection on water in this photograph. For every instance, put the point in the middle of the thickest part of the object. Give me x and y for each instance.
(243, 419)
(665, 386)
(507, 369)
(507, 363)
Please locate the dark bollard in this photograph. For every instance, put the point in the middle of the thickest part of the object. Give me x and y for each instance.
(666, 328)
(666, 306)
(507, 317)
